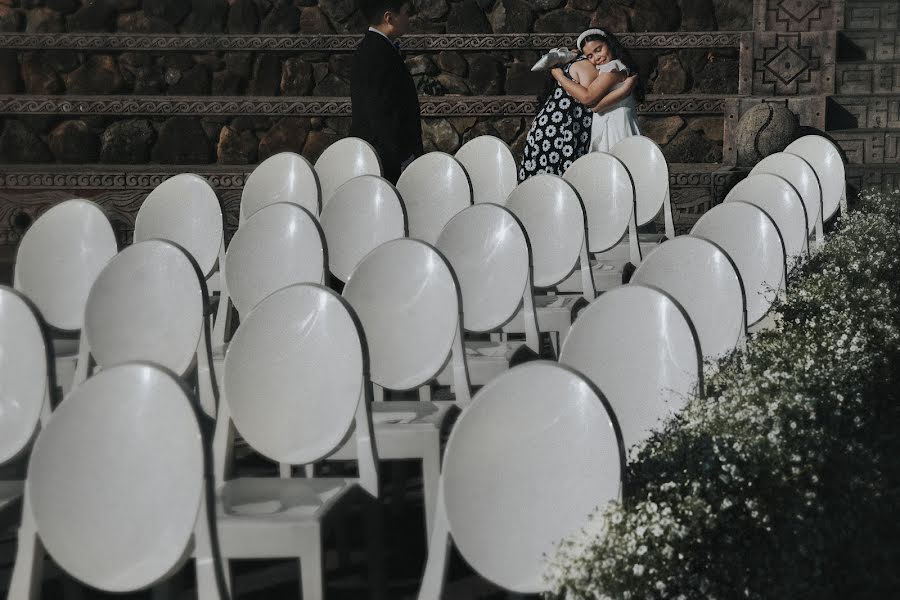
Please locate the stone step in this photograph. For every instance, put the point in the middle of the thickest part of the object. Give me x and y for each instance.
(872, 14)
(868, 111)
(879, 176)
(869, 146)
(863, 46)
(867, 78)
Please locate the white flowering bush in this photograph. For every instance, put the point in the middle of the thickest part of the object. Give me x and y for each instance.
(782, 480)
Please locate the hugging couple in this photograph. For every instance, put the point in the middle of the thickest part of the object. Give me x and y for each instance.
(590, 109)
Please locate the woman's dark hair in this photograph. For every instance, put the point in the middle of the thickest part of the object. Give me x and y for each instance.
(619, 52)
(373, 10)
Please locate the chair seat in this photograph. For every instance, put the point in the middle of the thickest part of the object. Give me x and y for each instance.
(10, 492)
(396, 423)
(266, 517)
(554, 313)
(607, 275)
(485, 361)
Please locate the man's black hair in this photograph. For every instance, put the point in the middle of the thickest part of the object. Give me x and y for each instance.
(373, 10)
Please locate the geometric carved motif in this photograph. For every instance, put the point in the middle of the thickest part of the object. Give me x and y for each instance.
(431, 106)
(26, 192)
(798, 15)
(107, 42)
(790, 64)
(867, 78)
(875, 45)
(870, 147)
(868, 15)
(871, 112)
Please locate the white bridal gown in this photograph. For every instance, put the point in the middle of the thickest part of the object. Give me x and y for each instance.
(617, 122)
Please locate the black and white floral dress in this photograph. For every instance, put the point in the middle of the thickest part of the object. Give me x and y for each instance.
(559, 135)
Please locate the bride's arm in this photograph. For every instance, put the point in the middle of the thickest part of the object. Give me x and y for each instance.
(590, 95)
(620, 93)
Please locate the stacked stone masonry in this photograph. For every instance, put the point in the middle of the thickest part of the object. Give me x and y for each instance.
(212, 138)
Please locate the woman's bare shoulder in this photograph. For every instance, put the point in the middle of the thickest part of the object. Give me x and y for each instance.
(583, 71)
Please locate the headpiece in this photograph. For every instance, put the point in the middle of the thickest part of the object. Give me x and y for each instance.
(589, 33)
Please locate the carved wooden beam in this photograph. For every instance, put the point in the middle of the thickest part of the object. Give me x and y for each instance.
(109, 42)
(431, 106)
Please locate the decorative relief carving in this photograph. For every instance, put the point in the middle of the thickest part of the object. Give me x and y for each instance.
(870, 147)
(788, 64)
(798, 15)
(431, 106)
(863, 78)
(873, 45)
(30, 191)
(870, 112)
(345, 43)
(886, 177)
(873, 14)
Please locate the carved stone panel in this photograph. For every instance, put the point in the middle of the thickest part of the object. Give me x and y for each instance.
(872, 45)
(867, 78)
(798, 15)
(866, 112)
(873, 14)
(870, 147)
(789, 64)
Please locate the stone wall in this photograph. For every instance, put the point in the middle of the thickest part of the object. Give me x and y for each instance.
(203, 139)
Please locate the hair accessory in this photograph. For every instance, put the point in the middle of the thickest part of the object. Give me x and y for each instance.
(588, 33)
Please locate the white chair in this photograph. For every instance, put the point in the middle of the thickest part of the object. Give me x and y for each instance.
(57, 262)
(607, 192)
(488, 250)
(285, 177)
(363, 213)
(342, 161)
(279, 245)
(184, 209)
(750, 237)
(780, 200)
(24, 383)
(407, 300)
(638, 345)
(825, 158)
(295, 389)
(533, 456)
(491, 167)
(702, 278)
(650, 172)
(802, 176)
(434, 188)
(553, 217)
(147, 305)
(115, 490)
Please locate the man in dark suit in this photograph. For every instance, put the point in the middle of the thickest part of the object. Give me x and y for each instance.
(382, 92)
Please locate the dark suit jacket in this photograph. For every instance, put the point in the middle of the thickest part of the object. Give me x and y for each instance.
(385, 103)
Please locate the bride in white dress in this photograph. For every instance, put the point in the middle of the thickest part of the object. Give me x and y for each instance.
(611, 96)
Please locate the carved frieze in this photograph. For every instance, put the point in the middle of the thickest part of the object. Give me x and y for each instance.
(431, 106)
(106, 42)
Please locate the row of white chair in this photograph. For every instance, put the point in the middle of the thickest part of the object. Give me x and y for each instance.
(670, 246)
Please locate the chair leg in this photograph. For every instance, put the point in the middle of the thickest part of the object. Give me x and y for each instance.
(425, 393)
(311, 580)
(431, 475)
(28, 570)
(438, 552)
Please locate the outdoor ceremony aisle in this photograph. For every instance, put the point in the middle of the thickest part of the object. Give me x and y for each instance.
(782, 480)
